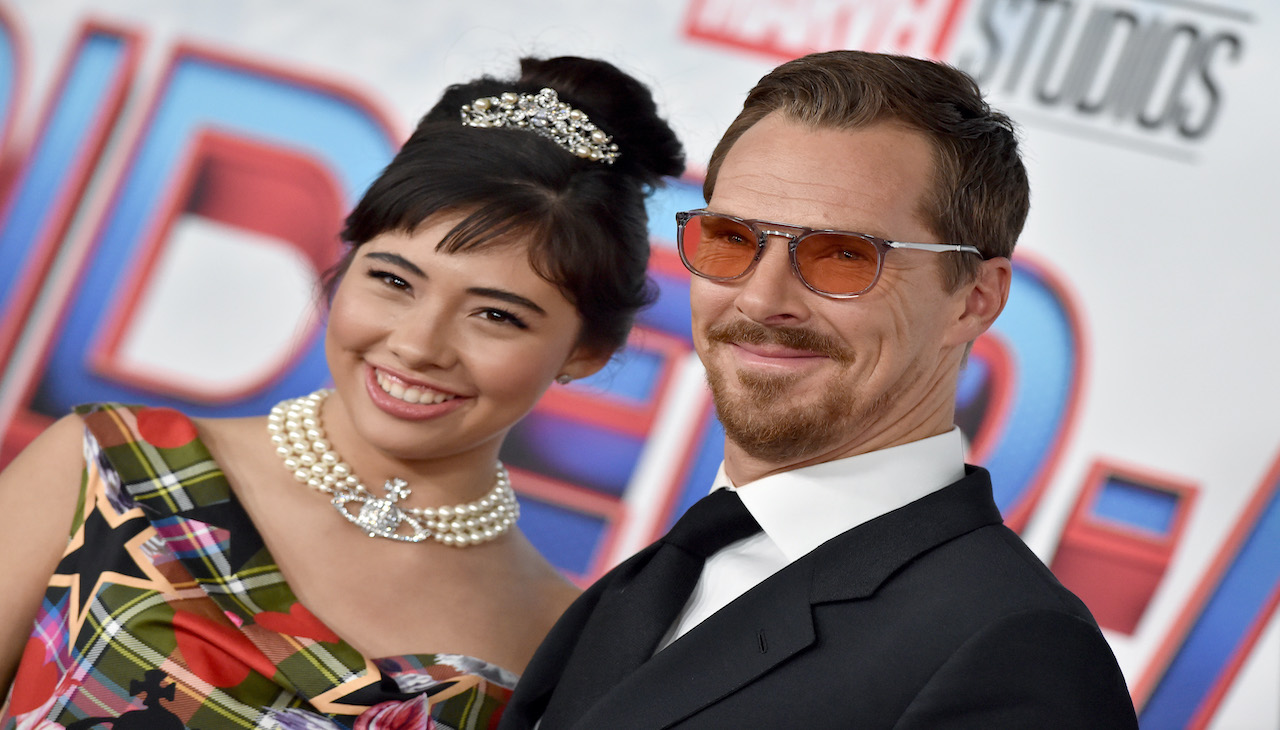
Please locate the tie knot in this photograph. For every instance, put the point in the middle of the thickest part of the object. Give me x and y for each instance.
(713, 522)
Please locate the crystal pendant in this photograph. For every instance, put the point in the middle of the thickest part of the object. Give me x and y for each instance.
(380, 517)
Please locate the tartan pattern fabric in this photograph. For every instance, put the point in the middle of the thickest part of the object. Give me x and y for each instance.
(168, 610)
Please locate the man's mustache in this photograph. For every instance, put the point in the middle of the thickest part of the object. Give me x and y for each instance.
(751, 333)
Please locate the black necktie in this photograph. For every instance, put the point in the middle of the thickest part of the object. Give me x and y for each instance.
(628, 624)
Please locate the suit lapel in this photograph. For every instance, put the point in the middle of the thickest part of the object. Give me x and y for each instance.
(546, 670)
(855, 564)
(774, 620)
(731, 649)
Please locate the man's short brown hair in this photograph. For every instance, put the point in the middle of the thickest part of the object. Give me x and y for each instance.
(980, 195)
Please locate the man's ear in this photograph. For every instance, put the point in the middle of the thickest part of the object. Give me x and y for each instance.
(983, 299)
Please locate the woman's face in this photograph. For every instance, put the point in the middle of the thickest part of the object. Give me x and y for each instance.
(438, 354)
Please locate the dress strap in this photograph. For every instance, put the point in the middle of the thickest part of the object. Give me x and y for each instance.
(162, 464)
(168, 471)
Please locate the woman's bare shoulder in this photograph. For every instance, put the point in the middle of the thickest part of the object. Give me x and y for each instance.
(39, 491)
(47, 467)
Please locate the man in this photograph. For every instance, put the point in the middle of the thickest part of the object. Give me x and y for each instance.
(876, 586)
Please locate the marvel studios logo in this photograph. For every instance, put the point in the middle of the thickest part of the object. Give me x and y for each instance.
(1151, 75)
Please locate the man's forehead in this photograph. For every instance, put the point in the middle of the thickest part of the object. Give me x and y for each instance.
(863, 179)
(781, 129)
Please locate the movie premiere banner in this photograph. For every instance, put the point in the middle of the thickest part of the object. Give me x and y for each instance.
(173, 174)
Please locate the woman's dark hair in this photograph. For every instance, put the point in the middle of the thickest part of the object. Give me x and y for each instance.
(584, 221)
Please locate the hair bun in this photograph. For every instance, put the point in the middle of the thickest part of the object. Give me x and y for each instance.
(617, 103)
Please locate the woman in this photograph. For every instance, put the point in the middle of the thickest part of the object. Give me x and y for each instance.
(350, 559)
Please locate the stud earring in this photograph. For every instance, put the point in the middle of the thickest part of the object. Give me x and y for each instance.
(564, 378)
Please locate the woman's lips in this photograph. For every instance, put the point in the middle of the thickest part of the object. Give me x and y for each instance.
(409, 401)
(416, 394)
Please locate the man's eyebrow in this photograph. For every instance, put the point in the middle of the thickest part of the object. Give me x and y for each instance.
(398, 260)
(507, 296)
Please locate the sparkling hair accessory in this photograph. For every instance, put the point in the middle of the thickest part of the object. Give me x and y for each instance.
(546, 116)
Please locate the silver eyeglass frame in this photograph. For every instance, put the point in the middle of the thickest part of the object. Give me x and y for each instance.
(882, 246)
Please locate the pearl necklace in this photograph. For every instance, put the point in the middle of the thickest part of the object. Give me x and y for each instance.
(295, 429)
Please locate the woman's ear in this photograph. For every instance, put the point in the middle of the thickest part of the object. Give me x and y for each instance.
(983, 299)
(583, 362)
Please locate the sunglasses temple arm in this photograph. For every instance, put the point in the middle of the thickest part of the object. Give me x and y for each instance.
(935, 247)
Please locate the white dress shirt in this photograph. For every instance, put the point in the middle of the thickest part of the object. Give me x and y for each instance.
(801, 509)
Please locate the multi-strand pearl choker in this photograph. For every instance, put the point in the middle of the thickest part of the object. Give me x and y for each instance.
(295, 429)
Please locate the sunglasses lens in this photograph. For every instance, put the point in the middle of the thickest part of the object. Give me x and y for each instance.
(718, 246)
(837, 263)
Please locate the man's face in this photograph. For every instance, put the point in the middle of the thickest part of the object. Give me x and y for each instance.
(799, 378)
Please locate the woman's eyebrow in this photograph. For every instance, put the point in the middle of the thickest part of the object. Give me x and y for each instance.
(398, 260)
(506, 296)
(501, 294)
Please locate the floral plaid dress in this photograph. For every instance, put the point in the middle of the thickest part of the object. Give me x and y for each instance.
(167, 611)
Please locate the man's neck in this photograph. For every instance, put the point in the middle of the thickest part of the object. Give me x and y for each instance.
(743, 468)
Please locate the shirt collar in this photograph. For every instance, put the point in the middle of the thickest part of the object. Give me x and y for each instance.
(803, 508)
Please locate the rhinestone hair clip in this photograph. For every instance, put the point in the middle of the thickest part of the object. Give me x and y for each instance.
(546, 116)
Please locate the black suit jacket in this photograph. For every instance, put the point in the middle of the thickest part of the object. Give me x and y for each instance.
(933, 615)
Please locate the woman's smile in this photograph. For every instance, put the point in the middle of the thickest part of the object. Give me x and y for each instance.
(424, 405)
(409, 393)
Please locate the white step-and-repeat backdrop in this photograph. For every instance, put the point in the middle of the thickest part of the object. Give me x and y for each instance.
(173, 172)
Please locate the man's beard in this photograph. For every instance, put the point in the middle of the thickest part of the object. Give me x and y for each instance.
(765, 418)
